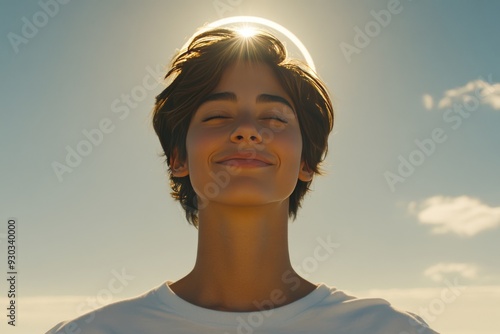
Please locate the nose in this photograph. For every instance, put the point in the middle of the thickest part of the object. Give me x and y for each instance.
(246, 131)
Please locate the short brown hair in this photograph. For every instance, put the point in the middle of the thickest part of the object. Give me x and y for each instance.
(195, 72)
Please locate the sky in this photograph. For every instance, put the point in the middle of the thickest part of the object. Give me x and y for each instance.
(410, 201)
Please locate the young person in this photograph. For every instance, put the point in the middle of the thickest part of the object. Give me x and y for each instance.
(244, 130)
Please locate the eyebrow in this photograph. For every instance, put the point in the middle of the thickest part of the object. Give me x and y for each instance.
(262, 98)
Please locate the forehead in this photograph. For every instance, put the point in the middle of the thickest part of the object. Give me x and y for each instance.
(250, 78)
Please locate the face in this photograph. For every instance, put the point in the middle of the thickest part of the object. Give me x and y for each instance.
(249, 114)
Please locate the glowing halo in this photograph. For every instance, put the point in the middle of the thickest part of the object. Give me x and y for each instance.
(270, 24)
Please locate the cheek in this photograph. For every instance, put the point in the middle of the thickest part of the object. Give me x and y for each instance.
(200, 145)
(194, 153)
(196, 160)
(290, 145)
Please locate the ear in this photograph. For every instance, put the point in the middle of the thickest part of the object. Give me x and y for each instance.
(305, 173)
(179, 168)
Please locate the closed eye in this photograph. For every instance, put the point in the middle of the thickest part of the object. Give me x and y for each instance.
(220, 116)
(277, 118)
(212, 117)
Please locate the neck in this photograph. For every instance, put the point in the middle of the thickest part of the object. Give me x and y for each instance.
(242, 260)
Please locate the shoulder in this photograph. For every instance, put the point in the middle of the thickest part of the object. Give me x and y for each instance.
(370, 315)
(109, 318)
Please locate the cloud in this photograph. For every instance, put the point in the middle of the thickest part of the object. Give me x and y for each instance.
(465, 216)
(438, 272)
(469, 312)
(472, 94)
(427, 101)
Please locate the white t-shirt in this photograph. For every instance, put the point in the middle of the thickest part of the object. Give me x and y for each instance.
(324, 310)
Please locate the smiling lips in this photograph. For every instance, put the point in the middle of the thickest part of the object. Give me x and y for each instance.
(244, 163)
(241, 160)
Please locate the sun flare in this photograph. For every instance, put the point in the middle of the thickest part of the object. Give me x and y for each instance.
(249, 31)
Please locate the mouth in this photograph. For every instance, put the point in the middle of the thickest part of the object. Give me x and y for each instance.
(244, 163)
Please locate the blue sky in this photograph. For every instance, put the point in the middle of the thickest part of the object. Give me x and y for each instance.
(412, 191)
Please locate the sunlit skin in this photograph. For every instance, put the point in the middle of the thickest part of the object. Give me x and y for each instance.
(243, 224)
